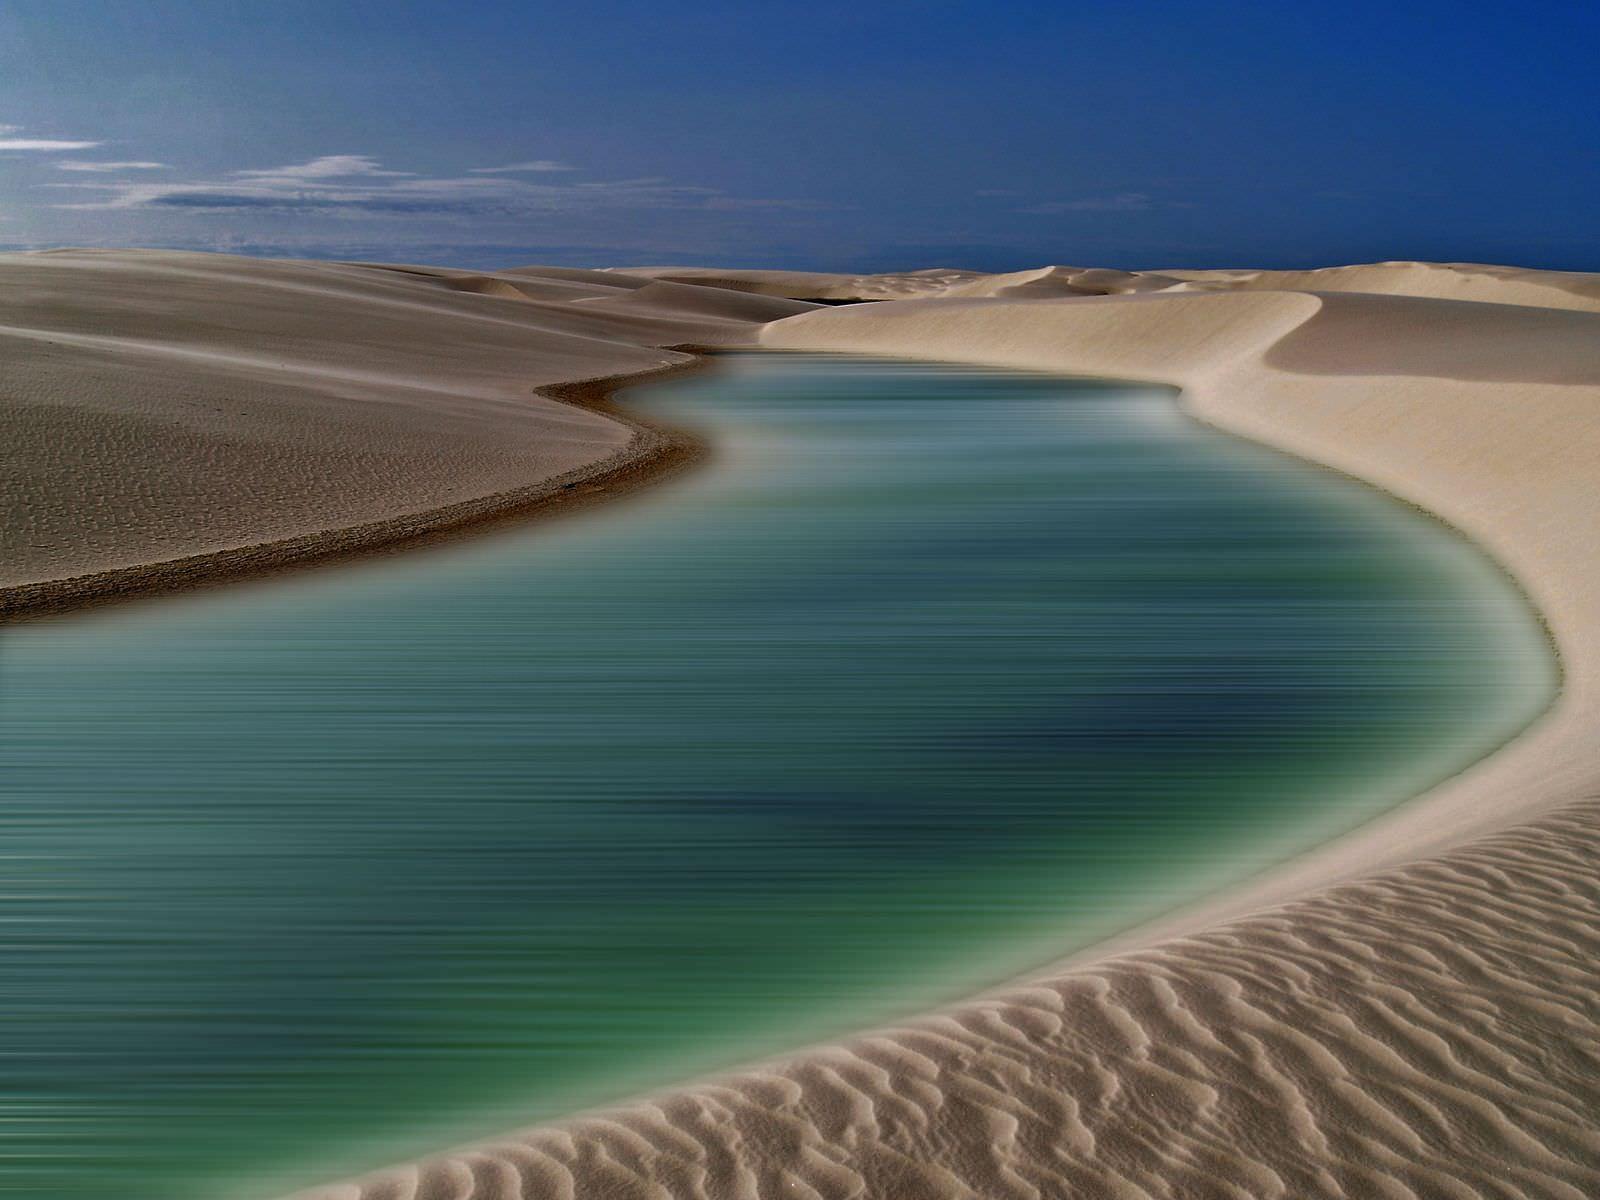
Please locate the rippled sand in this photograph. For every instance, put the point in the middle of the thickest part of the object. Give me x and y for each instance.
(1429, 1033)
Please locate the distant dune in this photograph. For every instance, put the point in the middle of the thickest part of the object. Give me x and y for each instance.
(174, 417)
(1438, 281)
(1412, 1011)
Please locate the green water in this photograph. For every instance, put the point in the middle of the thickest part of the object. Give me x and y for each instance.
(934, 675)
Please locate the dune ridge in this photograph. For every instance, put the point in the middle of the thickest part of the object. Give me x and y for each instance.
(1411, 1011)
(1439, 281)
(173, 418)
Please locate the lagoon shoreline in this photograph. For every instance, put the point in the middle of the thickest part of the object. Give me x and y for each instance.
(654, 453)
(1409, 1010)
(183, 419)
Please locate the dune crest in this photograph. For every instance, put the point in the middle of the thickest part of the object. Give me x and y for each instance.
(1411, 1011)
(1437, 281)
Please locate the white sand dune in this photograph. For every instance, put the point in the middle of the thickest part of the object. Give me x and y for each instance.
(169, 417)
(1439, 281)
(1413, 1010)
(817, 285)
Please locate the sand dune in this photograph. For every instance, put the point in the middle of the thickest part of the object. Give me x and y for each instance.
(1412, 1011)
(172, 416)
(816, 285)
(1438, 281)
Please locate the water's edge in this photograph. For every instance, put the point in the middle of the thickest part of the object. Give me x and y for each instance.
(654, 453)
(602, 391)
(1141, 934)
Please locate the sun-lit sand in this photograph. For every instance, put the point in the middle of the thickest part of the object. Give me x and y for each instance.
(1438, 281)
(174, 417)
(1412, 1011)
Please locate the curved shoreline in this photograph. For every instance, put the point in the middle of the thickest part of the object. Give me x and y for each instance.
(1239, 392)
(654, 453)
(175, 418)
(1408, 1010)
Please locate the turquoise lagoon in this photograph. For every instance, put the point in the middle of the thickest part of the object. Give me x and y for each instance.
(933, 675)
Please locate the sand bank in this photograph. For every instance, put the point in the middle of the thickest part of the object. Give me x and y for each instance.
(1412, 1011)
(175, 418)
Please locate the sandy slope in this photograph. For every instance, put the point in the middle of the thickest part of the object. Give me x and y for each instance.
(162, 406)
(1439, 281)
(1413, 1011)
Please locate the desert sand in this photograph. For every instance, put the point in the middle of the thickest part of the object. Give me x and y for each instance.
(171, 418)
(1411, 1011)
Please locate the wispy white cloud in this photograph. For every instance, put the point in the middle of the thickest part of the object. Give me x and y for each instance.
(640, 182)
(329, 166)
(43, 144)
(8, 142)
(357, 185)
(538, 164)
(106, 167)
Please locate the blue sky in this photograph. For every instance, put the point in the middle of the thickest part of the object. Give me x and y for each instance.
(876, 134)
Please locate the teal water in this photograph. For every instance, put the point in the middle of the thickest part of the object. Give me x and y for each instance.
(934, 675)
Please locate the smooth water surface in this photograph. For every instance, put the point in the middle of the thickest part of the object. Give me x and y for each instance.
(933, 675)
